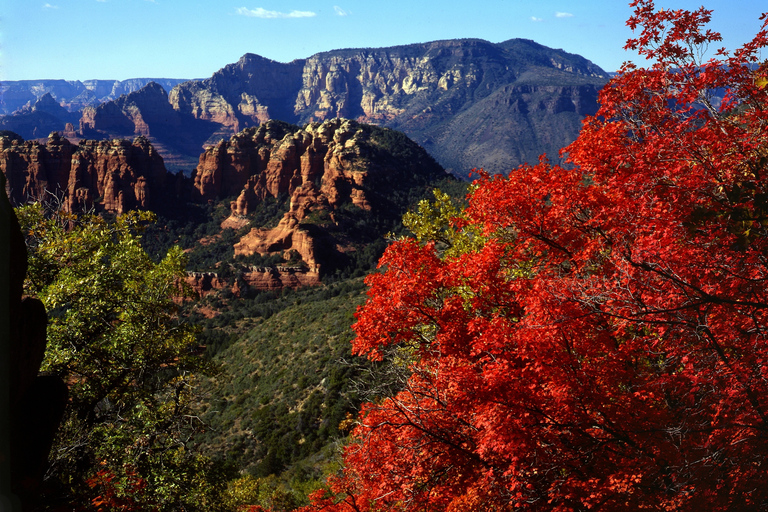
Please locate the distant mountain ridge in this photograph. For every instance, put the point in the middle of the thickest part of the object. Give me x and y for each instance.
(469, 102)
(72, 94)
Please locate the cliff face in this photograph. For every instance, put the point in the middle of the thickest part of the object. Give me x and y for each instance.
(178, 136)
(429, 91)
(253, 278)
(242, 94)
(71, 94)
(132, 113)
(114, 176)
(323, 168)
(469, 102)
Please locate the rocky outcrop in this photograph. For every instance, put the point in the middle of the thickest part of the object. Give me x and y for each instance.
(321, 167)
(253, 279)
(133, 113)
(242, 94)
(178, 136)
(115, 176)
(277, 278)
(203, 283)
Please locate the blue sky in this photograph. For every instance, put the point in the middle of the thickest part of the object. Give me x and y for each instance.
(119, 39)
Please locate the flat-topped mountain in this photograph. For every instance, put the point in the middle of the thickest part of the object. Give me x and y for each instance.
(469, 102)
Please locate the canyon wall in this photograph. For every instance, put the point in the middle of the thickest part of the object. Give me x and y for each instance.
(322, 168)
(469, 102)
(109, 175)
(518, 97)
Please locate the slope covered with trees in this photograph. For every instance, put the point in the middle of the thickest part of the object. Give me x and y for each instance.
(591, 337)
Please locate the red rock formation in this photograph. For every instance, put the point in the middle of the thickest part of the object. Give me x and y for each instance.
(255, 278)
(203, 283)
(320, 167)
(277, 278)
(114, 176)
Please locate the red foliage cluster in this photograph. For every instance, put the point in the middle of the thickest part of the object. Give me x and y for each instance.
(117, 495)
(606, 347)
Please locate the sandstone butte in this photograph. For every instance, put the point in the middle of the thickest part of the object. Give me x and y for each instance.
(319, 167)
(113, 175)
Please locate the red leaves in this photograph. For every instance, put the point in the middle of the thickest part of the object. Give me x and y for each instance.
(605, 345)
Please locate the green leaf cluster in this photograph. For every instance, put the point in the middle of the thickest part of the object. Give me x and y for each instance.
(116, 338)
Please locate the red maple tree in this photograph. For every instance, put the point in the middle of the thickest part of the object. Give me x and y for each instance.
(589, 337)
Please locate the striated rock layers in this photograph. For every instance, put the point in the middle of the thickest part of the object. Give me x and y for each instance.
(113, 176)
(469, 102)
(242, 94)
(323, 168)
(132, 113)
(520, 98)
(254, 278)
(178, 136)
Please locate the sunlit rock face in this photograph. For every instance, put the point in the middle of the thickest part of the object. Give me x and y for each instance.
(320, 167)
(110, 175)
(471, 103)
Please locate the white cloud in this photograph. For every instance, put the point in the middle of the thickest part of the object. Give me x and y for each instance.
(260, 12)
(563, 15)
(49, 6)
(534, 18)
(340, 11)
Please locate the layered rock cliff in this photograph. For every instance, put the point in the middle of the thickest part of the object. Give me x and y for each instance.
(469, 102)
(325, 169)
(113, 176)
(73, 95)
(253, 278)
(178, 136)
(527, 98)
(242, 94)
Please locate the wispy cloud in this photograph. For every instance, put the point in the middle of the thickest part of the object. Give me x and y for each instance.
(563, 15)
(340, 11)
(49, 6)
(260, 12)
(534, 18)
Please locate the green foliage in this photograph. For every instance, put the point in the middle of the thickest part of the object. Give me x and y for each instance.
(116, 338)
(286, 384)
(439, 222)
